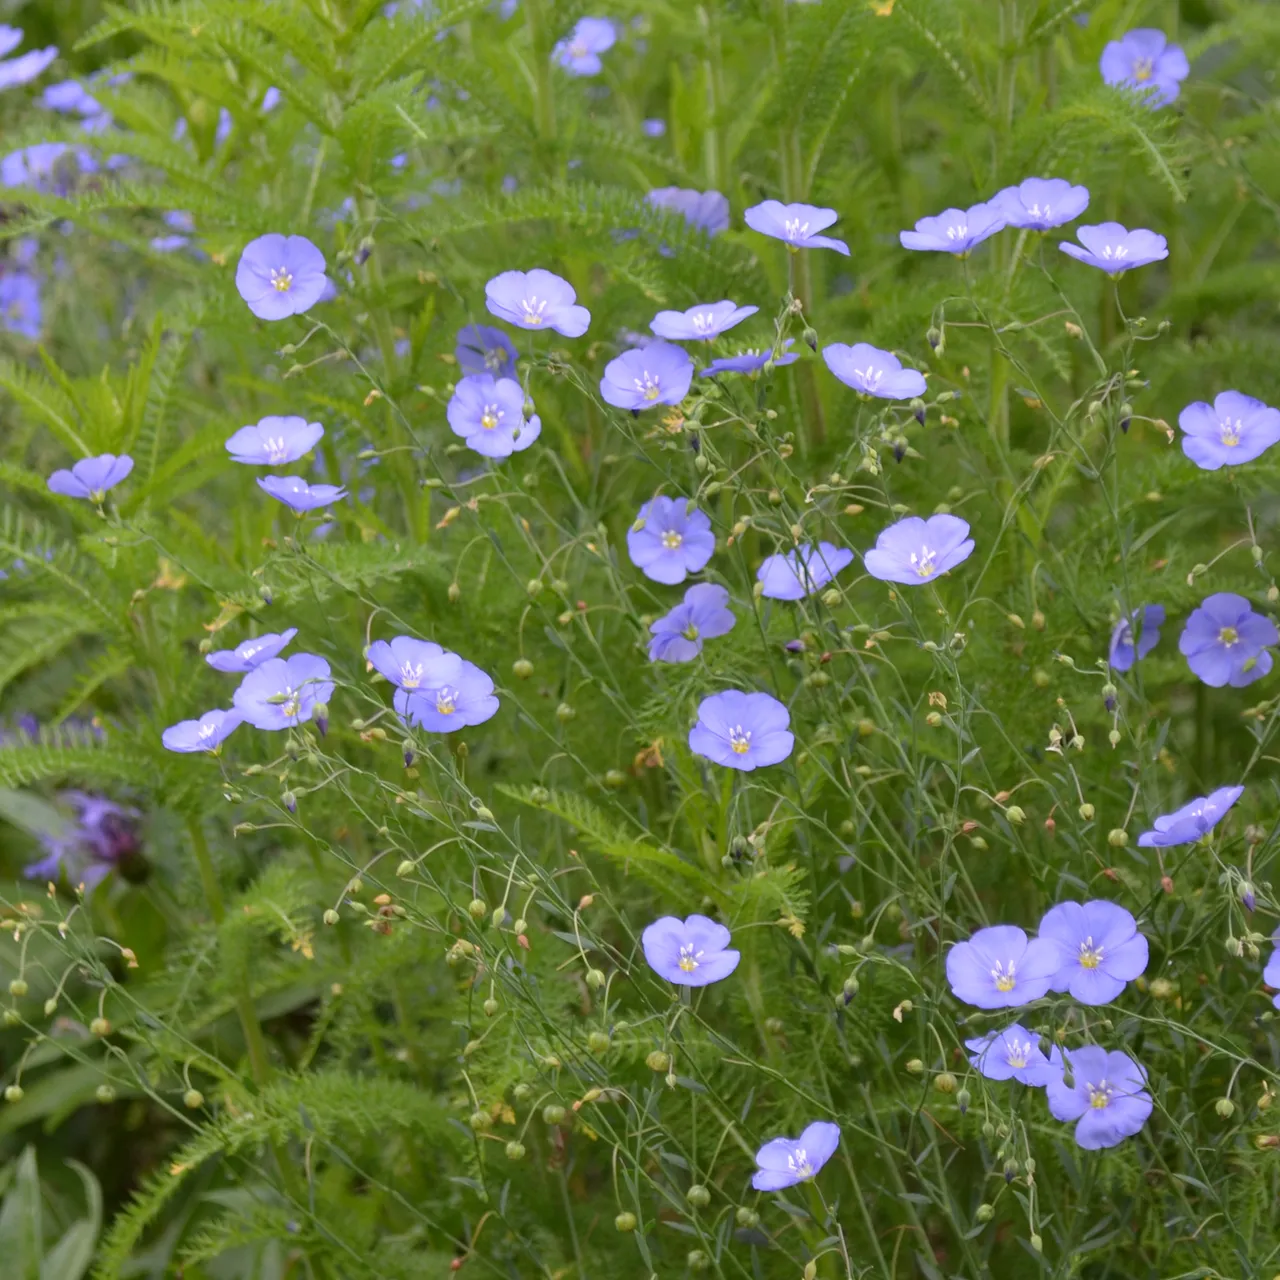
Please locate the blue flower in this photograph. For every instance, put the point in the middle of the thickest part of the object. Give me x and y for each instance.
(413, 664)
(536, 299)
(282, 693)
(484, 349)
(1012, 1054)
(653, 128)
(280, 276)
(801, 572)
(670, 539)
(1123, 654)
(20, 303)
(1236, 428)
(22, 69)
(270, 99)
(466, 699)
(488, 413)
(273, 441)
(702, 615)
(752, 361)
(796, 225)
(42, 165)
(183, 224)
(914, 551)
(1038, 204)
(70, 97)
(1225, 642)
(702, 323)
(10, 39)
(742, 731)
(693, 952)
(1195, 819)
(703, 210)
(1115, 249)
(955, 231)
(1271, 974)
(295, 492)
(1100, 950)
(249, 654)
(646, 377)
(580, 52)
(873, 372)
(999, 968)
(1145, 61)
(91, 477)
(784, 1162)
(1107, 1096)
(206, 734)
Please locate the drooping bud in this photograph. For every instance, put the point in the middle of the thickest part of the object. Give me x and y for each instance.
(477, 909)
(100, 1027)
(698, 1196)
(625, 1222)
(193, 1099)
(985, 1213)
(515, 1150)
(595, 979)
(1117, 837)
(1225, 1108)
(331, 917)
(522, 668)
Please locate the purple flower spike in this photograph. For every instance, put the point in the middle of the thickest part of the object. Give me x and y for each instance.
(1193, 820)
(414, 664)
(249, 654)
(743, 731)
(1039, 204)
(915, 551)
(646, 377)
(706, 321)
(752, 361)
(1012, 1054)
(536, 299)
(484, 349)
(23, 69)
(784, 1162)
(1271, 974)
(206, 734)
(1115, 249)
(1225, 642)
(1107, 1096)
(580, 52)
(670, 540)
(704, 614)
(998, 968)
(955, 230)
(872, 372)
(282, 693)
(1123, 653)
(488, 413)
(1236, 428)
(1145, 61)
(803, 571)
(274, 441)
(280, 276)
(703, 210)
(796, 225)
(465, 700)
(693, 952)
(1099, 949)
(295, 492)
(90, 478)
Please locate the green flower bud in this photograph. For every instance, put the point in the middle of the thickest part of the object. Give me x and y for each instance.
(522, 1092)
(331, 917)
(455, 593)
(747, 1218)
(18, 987)
(985, 1213)
(100, 1027)
(105, 1093)
(915, 1067)
(944, 1082)
(595, 979)
(477, 909)
(515, 1150)
(522, 668)
(658, 1061)
(539, 795)
(50, 1007)
(565, 713)
(1086, 812)
(480, 1121)
(1117, 837)
(553, 1113)
(696, 1260)
(193, 1099)
(598, 1042)
(698, 1196)
(520, 926)
(1014, 815)
(625, 1222)
(1037, 1243)
(490, 1007)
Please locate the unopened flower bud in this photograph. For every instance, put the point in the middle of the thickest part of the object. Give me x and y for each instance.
(331, 917)
(50, 1007)
(1086, 811)
(1037, 1244)
(565, 713)
(13, 1093)
(1015, 815)
(455, 593)
(933, 719)
(988, 1130)
(520, 925)
(1011, 1170)
(490, 1007)
(1117, 837)
(625, 1221)
(615, 778)
(696, 1260)
(193, 1099)
(105, 1093)
(985, 1213)
(698, 1196)
(100, 1027)
(515, 1150)
(1225, 1108)
(944, 1082)
(522, 668)
(1162, 989)
(18, 987)
(915, 1066)
(1113, 737)
(810, 337)
(477, 908)
(480, 1121)
(963, 1098)
(595, 979)
(598, 1042)
(1234, 947)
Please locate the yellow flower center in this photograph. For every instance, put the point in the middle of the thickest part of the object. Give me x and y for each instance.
(491, 416)
(1003, 978)
(1228, 636)
(281, 279)
(690, 632)
(924, 563)
(1090, 956)
(1099, 1095)
(1230, 432)
(688, 958)
(740, 740)
(671, 539)
(1142, 71)
(446, 701)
